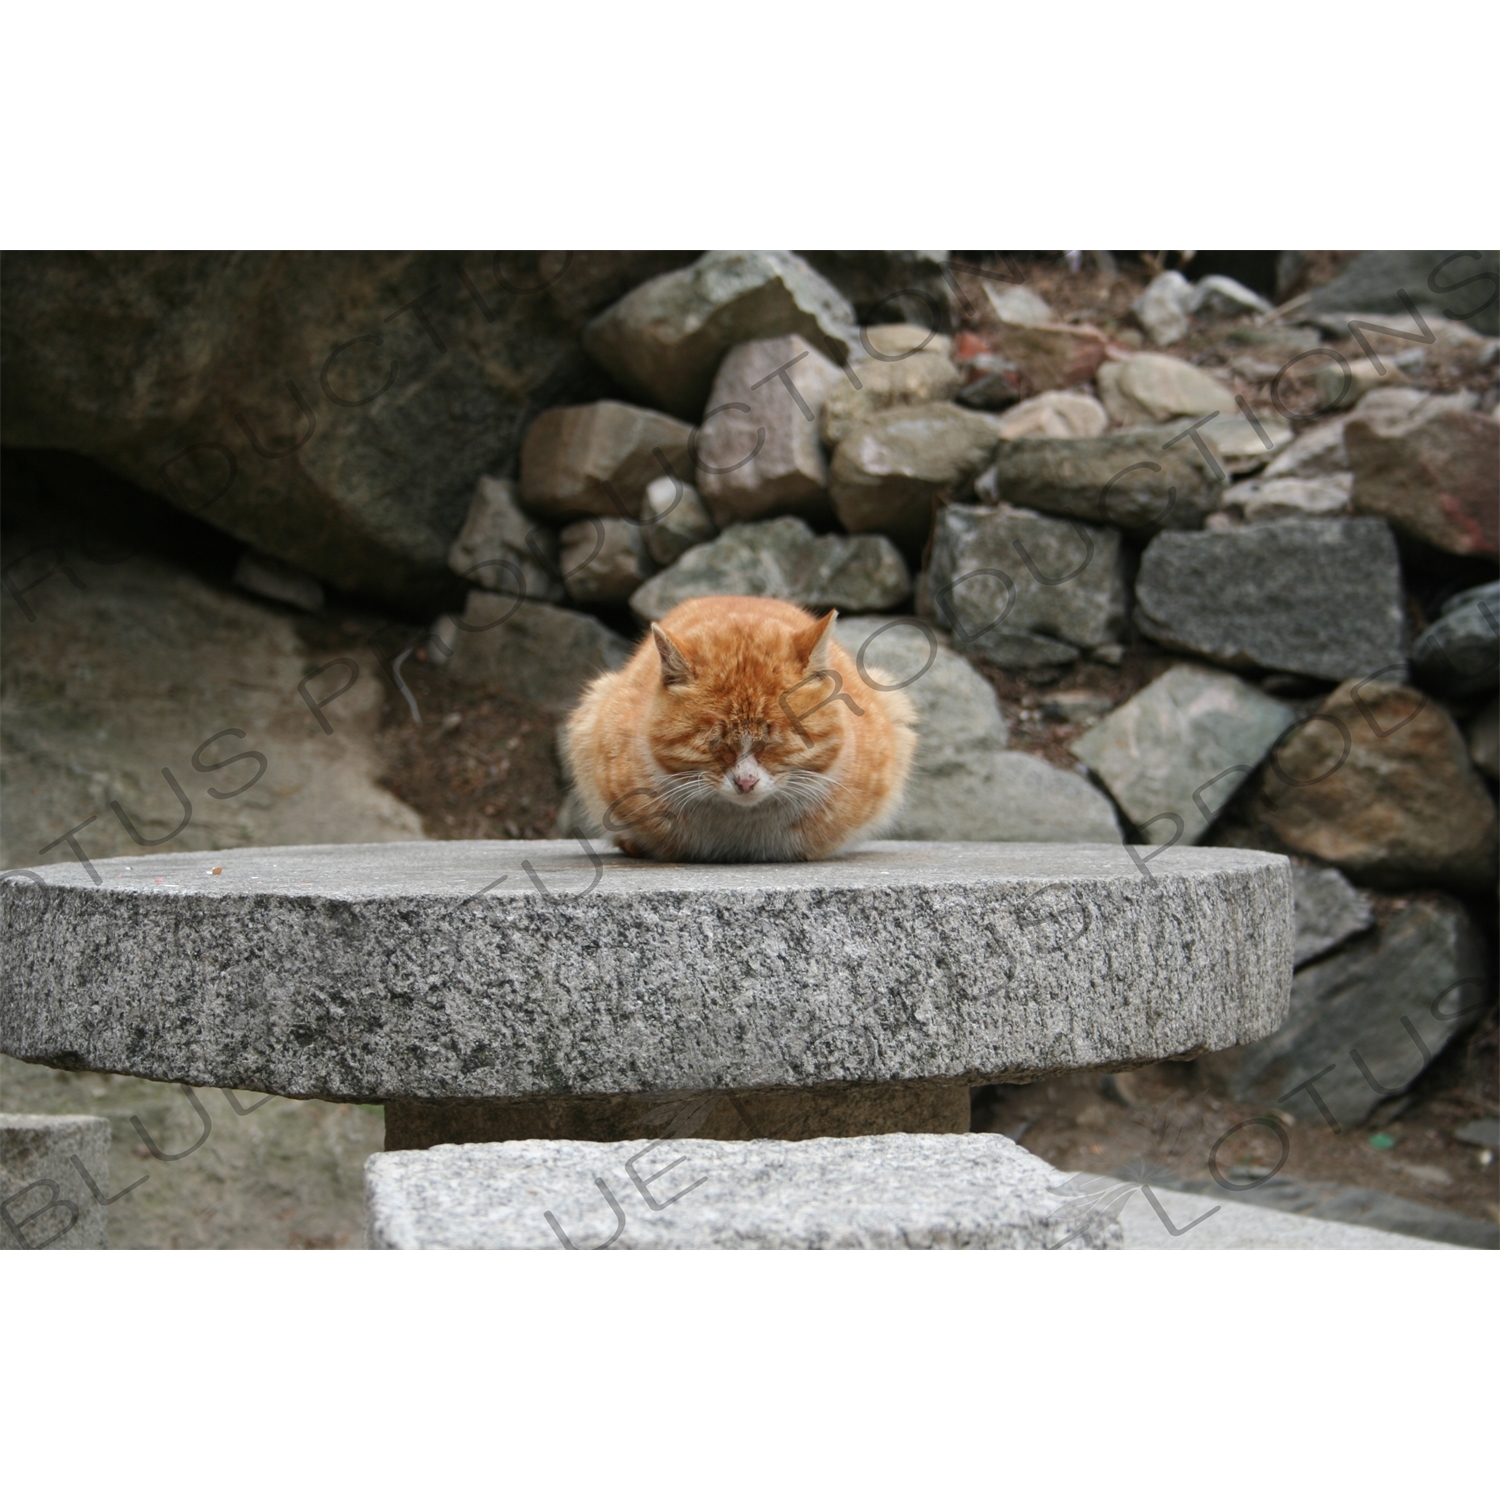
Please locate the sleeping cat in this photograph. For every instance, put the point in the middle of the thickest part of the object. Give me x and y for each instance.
(740, 731)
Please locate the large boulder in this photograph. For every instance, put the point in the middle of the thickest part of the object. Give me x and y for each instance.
(1177, 751)
(1321, 598)
(782, 559)
(1365, 1022)
(758, 452)
(890, 474)
(664, 340)
(1022, 589)
(331, 410)
(1378, 782)
(598, 459)
(127, 683)
(1140, 480)
(1436, 477)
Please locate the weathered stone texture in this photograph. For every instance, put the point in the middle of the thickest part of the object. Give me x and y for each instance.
(1318, 597)
(540, 653)
(887, 1192)
(46, 1200)
(782, 559)
(598, 459)
(757, 450)
(515, 970)
(664, 340)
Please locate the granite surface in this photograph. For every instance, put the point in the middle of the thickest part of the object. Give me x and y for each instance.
(882, 1192)
(473, 970)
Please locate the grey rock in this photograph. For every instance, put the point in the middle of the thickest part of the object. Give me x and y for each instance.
(480, 970)
(758, 452)
(1224, 297)
(1341, 386)
(1459, 654)
(1425, 966)
(1480, 1133)
(1326, 1204)
(957, 711)
(884, 1192)
(664, 340)
(1263, 500)
(1154, 388)
(604, 560)
(1163, 308)
(889, 474)
(962, 787)
(890, 286)
(674, 519)
(782, 559)
(1062, 414)
(1023, 589)
(542, 654)
(1329, 910)
(1008, 797)
(1433, 279)
(46, 1200)
(1018, 304)
(1177, 751)
(1140, 480)
(1244, 1226)
(598, 459)
(1322, 598)
(333, 410)
(898, 365)
(258, 574)
(142, 667)
(502, 549)
(1484, 739)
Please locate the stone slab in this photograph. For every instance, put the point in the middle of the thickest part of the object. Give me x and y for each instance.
(885, 1192)
(1240, 1226)
(486, 970)
(45, 1202)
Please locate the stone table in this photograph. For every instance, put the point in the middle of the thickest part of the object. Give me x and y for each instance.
(501, 991)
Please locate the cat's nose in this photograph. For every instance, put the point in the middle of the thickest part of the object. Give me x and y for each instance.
(747, 781)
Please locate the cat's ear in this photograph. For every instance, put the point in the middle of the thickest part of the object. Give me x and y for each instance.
(812, 642)
(675, 667)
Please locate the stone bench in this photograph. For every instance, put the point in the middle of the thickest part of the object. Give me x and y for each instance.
(883, 1192)
(502, 991)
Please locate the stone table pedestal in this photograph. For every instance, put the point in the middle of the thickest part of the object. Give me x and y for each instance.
(496, 991)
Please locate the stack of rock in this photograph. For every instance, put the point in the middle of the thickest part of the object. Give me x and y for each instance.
(1032, 495)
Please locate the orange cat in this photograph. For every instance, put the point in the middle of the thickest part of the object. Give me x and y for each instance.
(740, 730)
